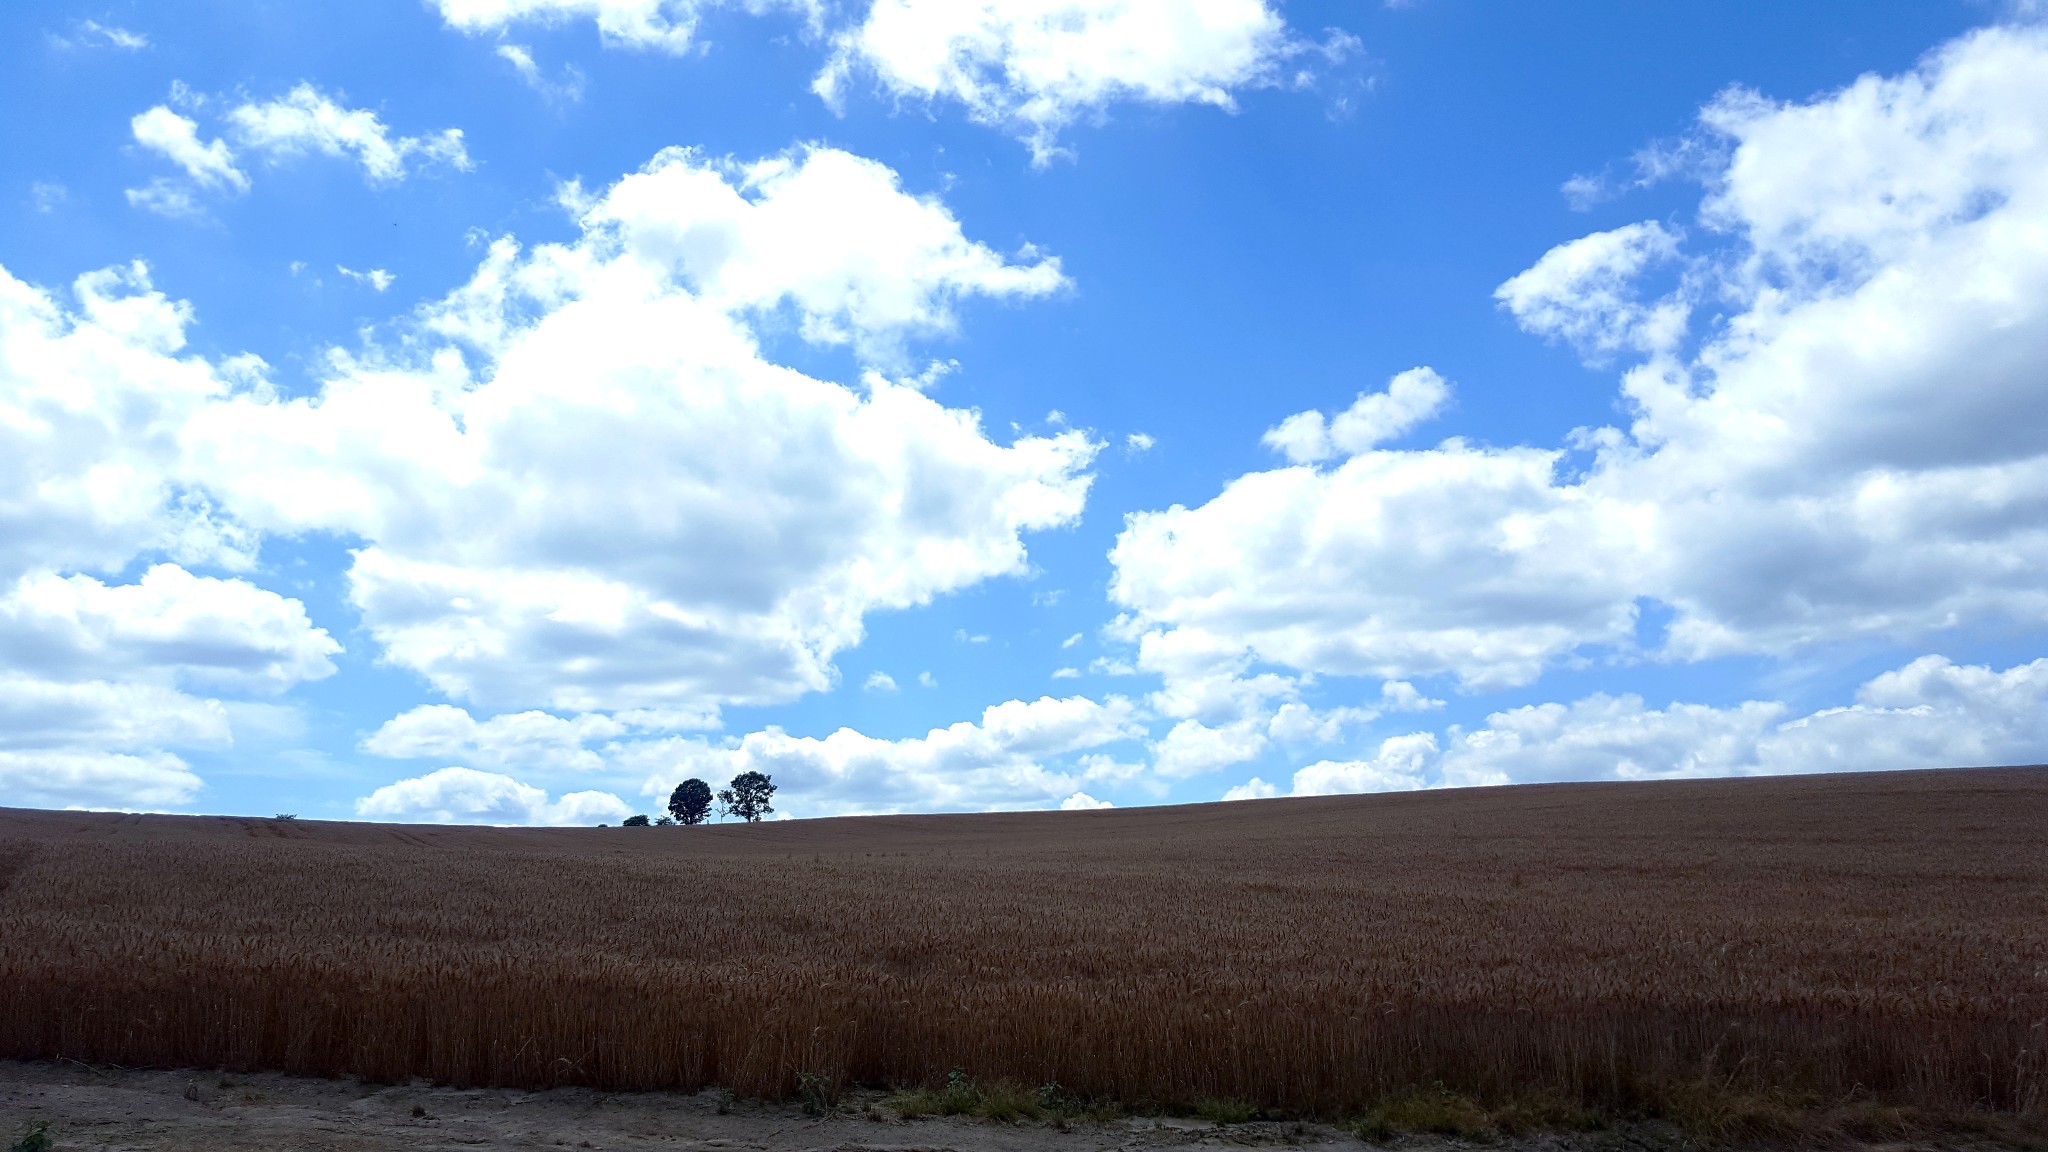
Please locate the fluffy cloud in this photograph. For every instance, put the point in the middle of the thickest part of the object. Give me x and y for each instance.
(1226, 713)
(210, 165)
(1036, 66)
(519, 740)
(196, 629)
(41, 713)
(1931, 713)
(1585, 292)
(602, 497)
(1397, 767)
(1857, 447)
(1614, 737)
(775, 234)
(1191, 747)
(578, 486)
(101, 743)
(93, 400)
(305, 120)
(96, 676)
(1411, 398)
(1390, 564)
(1020, 754)
(467, 796)
(1031, 67)
(1007, 760)
(664, 25)
(71, 778)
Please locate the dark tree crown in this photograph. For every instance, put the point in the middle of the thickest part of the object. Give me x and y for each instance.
(690, 803)
(747, 798)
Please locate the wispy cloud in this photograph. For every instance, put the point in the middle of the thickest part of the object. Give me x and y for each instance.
(568, 89)
(376, 278)
(93, 34)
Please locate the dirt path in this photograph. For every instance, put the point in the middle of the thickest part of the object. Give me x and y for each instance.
(111, 1110)
(108, 1110)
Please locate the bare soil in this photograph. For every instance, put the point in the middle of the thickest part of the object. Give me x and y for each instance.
(103, 1109)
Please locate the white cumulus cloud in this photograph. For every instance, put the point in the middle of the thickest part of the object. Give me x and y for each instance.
(200, 630)
(1855, 448)
(101, 676)
(1029, 67)
(306, 120)
(1010, 759)
(1035, 66)
(37, 712)
(602, 497)
(175, 137)
(663, 25)
(1931, 713)
(95, 779)
(467, 796)
(303, 121)
(827, 234)
(535, 740)
(1584, 292)
(1411, 398)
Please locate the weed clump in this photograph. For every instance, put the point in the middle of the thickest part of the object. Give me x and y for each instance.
(1439, 1111)
(1220, 1112)
(999, 1101)
(819, 1093)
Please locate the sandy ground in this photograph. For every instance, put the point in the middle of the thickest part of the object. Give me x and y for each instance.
(113, 1110)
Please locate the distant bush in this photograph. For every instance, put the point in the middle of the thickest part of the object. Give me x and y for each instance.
(634, 822)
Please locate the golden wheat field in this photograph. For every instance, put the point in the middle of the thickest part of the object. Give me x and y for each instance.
(1883, 935)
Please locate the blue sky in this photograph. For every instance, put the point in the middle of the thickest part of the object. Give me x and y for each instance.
(500, 410)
